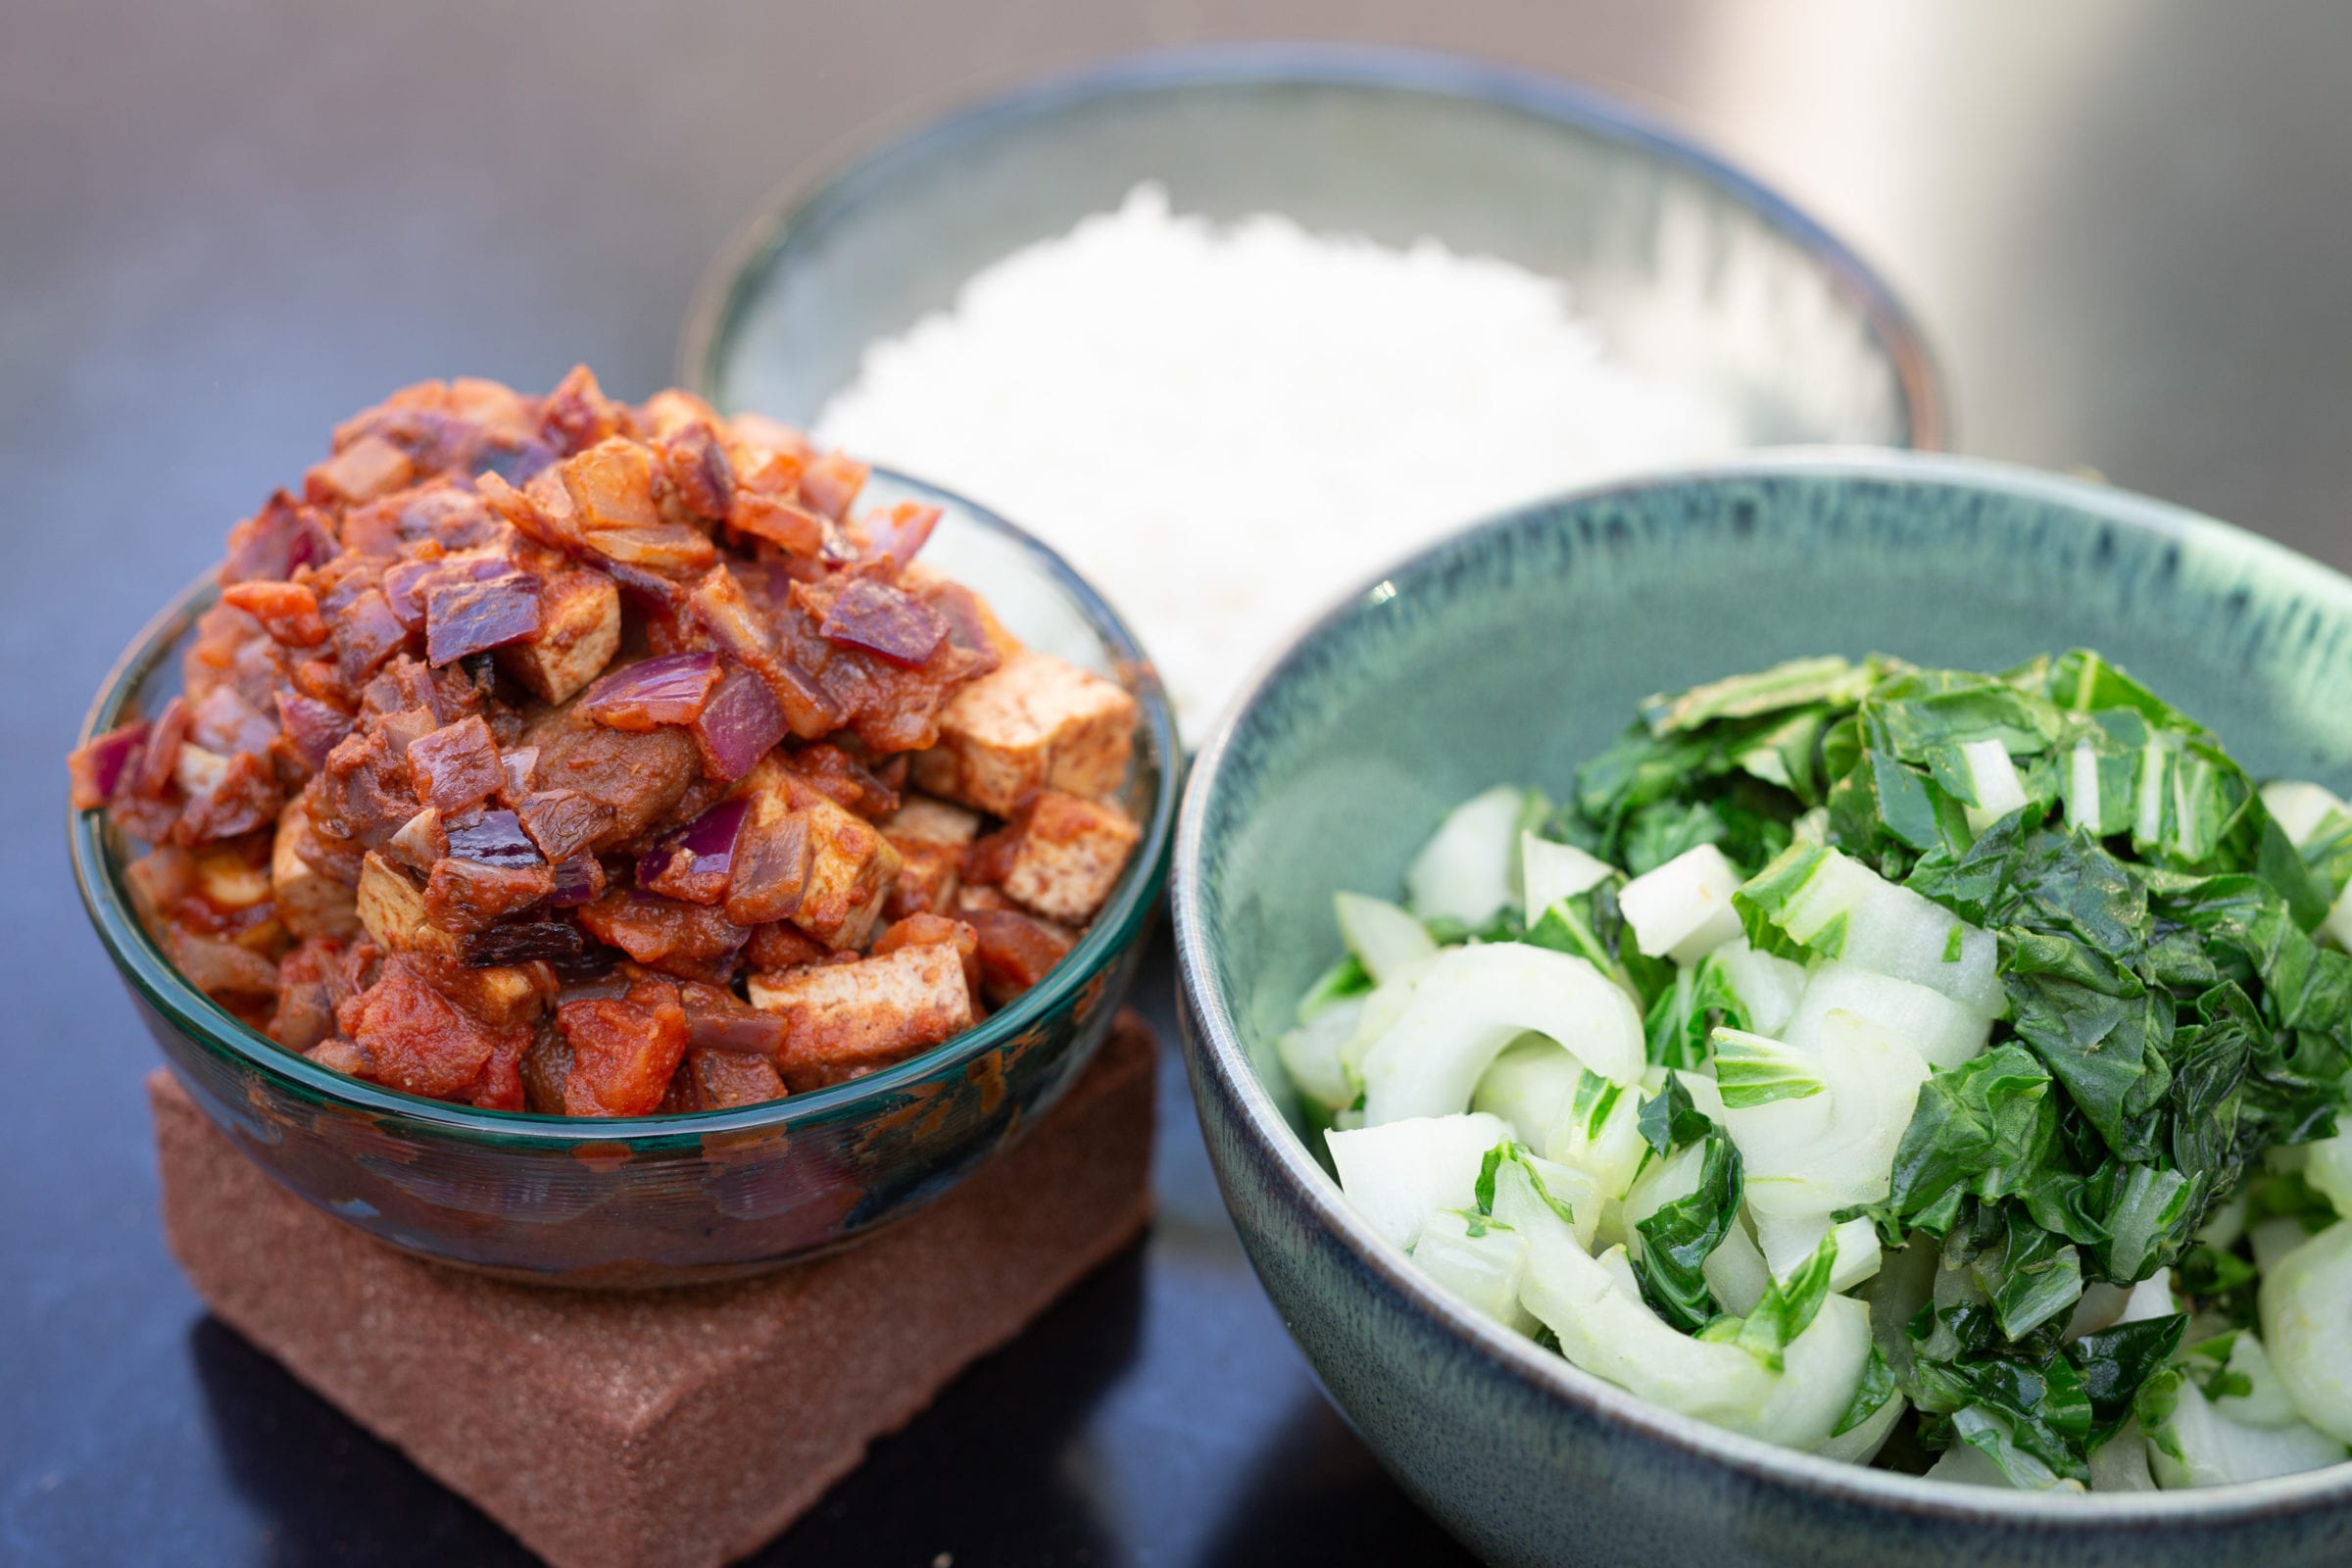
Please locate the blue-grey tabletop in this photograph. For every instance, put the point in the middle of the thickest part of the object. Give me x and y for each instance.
(229, 224)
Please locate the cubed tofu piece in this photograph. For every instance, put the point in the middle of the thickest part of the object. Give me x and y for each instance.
(1013, 951)
(930, 835)
(392, 910)
(229, 880)
(670, 411)
(929, 876)
(1066, 855)
(369, 467)
(579, 631)
(1034, 722)
(843, 1017)
(852, 870)
(801, 858)
(493, 403)
(310, 902)
(502, 994)
(922, 820)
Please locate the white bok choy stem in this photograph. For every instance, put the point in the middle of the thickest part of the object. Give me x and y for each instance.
(1993, 777)
(1399, 1174)
(1683, 910)
(1768, 988)
(1939, 1029)
(1550, 873)
(1604, 1327)
(1818, 1128)
(1480, 1260)
(2306, 1309)
(1527, 1086)
(1385, 937)
(1840, 908)
(2250, 1435)
(1469, 869)
(1471, 1002)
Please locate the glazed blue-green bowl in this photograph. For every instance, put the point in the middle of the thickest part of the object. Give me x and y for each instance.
(1511, 652)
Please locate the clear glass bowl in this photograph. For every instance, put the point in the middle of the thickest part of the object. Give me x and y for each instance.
(665, 1200)
(1690, 270)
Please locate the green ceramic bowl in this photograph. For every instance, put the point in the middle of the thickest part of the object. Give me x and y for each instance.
(1511, 652)
(655, 1201)
(1690, 268)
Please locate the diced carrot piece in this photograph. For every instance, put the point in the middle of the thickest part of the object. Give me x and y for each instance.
(287, 610)
(623, 1050)
(421, 1041)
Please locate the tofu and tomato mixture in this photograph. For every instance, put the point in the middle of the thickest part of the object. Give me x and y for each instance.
(560, 754)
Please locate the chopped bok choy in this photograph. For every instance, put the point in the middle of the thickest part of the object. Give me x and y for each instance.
(1862, 1050)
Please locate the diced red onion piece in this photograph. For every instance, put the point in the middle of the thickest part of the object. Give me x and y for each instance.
(771, 875)
(885, 622)
(512, 460)
(273, 544)
(492, 838)
(662, 548)
(100, 766)
(404, 585)
(900, 533)
(648, 589)
(740, 724)
(767, 582)
(367, 634)
(162, 757)
(408, 584)
(739, 1031)
(961, 610)
(669, 689)
(310, 545)
(405, 728)
(420, 840)
(578, 880)
(713, 834)
(465, 617)
(521, 942)
(694, 862)
(519, 765)
(313, 728)
(222, 720)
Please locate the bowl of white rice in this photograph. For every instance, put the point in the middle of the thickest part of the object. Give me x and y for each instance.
(1231, 327)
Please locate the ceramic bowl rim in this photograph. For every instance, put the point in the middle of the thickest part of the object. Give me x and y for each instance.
(1121, 921)
(839, 177)
(1213, 1048)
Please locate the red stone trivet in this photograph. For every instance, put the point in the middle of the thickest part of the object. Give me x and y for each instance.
(674, 1429)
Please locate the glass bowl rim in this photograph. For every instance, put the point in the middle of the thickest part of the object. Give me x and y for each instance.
(840, 175)
(1214, 1048)
(212, 1027)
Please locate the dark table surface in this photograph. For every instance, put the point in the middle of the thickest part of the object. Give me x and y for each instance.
(224, 224)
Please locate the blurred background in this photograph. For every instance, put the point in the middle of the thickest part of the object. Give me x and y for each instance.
(2121, 224)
